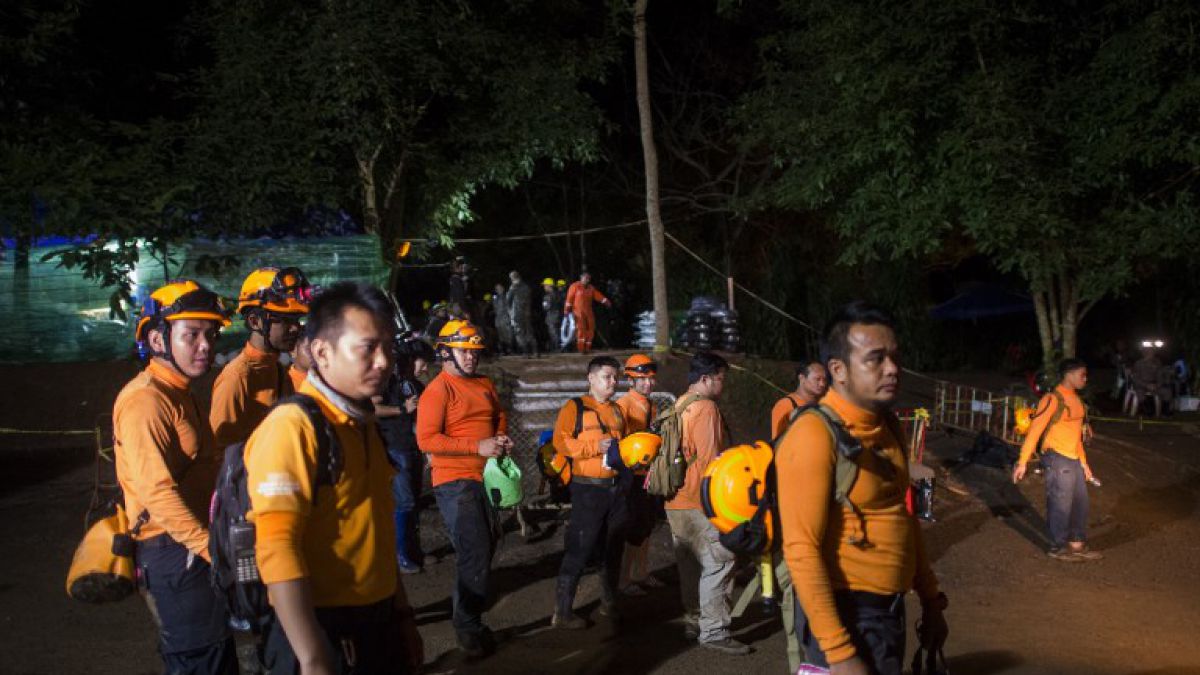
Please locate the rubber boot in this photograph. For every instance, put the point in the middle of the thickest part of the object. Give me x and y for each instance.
(564, 599)
(608, 596)
(406, 565)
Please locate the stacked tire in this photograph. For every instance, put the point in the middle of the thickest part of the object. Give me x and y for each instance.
(644, 330)
(710, 325)
(729, 334)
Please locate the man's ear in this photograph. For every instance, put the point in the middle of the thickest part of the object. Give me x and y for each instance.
(837, 370)
(254, 321)
(157, 340)
(321, 353)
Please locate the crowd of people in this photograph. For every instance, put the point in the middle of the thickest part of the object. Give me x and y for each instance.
(335, 533)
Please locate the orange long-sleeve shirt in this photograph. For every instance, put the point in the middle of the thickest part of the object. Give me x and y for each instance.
(783, 410)
(453, 415)
(244, 392)
(166, 459)
(1066, 436)
(637, 410)
(817, 531)
(704, 438)
(587, 458)
(297, 377)
(580, 298)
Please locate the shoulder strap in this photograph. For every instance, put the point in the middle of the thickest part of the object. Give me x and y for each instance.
(329, 455)
(847, 448)
(1060, 405)
(795, 406)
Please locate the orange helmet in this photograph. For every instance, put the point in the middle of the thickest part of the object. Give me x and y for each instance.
(1024, 418)
(183, 299)
(283, 291)
(640, 365)
(734, 483)
(460, 334)
(640, 448)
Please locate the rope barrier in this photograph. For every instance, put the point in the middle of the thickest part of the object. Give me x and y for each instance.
(533, 237)
(45, 432)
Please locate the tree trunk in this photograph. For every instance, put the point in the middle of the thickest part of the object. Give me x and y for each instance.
(1070, 312)
(1040, 298)
(658, 266)
(366, 177)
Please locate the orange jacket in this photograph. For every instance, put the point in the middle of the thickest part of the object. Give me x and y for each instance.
(166, 460)
(453, 414)
(783, 410)
(244, 392)
(1066, 436)
(637, 410)
(580, 297)
(704, 437)
(342, 539)
(297, 377)
(587, 457)
(817, 531)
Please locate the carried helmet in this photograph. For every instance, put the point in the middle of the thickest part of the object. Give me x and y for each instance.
(461, 335)
(547, 281)
(283, 291)
(640, 448)
(640, 365)
(1023, 419)
(183, 299)
(502, 482)
(561, 282)
(734, 484)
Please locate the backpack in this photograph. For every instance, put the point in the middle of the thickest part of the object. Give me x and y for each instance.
(751, 537)
(668, 470)
(231, 537)
(555, 466)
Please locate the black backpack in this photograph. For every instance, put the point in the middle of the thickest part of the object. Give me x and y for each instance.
(231, 537)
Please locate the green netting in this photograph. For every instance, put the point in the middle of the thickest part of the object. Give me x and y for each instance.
(53, 314)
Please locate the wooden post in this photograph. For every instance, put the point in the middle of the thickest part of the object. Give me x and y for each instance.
(729, 290)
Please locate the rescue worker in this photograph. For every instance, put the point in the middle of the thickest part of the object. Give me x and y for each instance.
(460, 286)
(326, 555)
(520, 312)
(811, 384)
(396, 409)
(1060, 429)
(502, 321)
(167, 464)
(580, 297)
(705, 567)
(851, 563)
(639, 411)
(552, 311)
(301, 362)
(599, 487)
(439, 314)
(272, 301)
(460, 424)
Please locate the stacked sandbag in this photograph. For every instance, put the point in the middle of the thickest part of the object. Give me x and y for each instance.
(710, 325)
(643, 330)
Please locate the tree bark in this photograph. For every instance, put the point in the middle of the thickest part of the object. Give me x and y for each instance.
(658, 266)
(1040, 297)
(366, 176)
(1070, 313)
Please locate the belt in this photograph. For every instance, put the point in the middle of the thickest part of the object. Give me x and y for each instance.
(890, 602)
(596, 482)
(163, 540)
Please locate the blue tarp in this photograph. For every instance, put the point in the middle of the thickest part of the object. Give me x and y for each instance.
(981, 302)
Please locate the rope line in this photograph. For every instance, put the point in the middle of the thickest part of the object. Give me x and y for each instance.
(533, 237)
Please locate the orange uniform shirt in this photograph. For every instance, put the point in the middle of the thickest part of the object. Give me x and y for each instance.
(783, 410)
(704, 438)
(816, 530)
(637, 410)
(453, 415)
(342, 539)
(587, 458)
(1066, 436)
(297, 377)
(166, 459)
(580, 298)
(244, 392)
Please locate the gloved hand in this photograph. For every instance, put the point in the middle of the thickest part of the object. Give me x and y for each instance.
(612, 456)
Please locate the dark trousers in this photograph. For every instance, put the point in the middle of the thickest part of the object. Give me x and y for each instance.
(1066, 499)
(193, 635)
(470, 523)
(363, 640)
(643, 512)
(876, 626)
(406, 489)
(596, 530)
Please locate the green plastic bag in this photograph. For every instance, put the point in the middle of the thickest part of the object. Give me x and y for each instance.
(502, 482)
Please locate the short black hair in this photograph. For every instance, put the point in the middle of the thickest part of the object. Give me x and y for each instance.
(603, 361)
(327, 312)
(705, 363)
(834, 344)
(1067, 365)
(803, 365)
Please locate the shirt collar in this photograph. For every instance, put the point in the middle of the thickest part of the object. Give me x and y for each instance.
(259, 356)
(851, 414)
(342, 406)
(168, 375)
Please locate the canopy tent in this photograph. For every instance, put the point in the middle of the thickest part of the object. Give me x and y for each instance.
(982, 301)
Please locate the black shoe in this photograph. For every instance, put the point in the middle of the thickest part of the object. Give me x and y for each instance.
(477, 644)
(1063, 555)
(727, 646)
(691, 631)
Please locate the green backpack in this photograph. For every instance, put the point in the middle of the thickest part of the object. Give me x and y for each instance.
(668, 469)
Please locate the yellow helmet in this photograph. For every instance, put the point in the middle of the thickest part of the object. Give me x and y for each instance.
(461, 335)
(734, 483)
(561, 282)
(547, 281)
(183, 299)
(283, 291)
(640, 448)
(1023, 418)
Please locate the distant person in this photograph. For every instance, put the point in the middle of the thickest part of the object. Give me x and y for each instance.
(1146, 382)
(580, 297)
(325, 553)
(439, 314)
(812, 381)
(460, 286)
(705, 567)
(520, 311)
(301, 362)
(552, 310)
(273, 302)
(502, 320)
(167, 464)
(1059, 429)
(600, 485)
(853, 561)
(639, 411)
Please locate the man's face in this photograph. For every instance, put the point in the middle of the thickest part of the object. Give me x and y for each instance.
(713, 385)
(300, 355)
(467, 359)
(357, 363)
(192, 344)
(285, 331)
(420, 367)
(1076, 379)
(585, 278)
(816, 381)
(603, 383)
(870, 375)
(644, 385)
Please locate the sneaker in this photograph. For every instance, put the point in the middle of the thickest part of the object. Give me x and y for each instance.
(407, 566)
(633, 591)
(1063, 555)
(568, 622)
(609, 610)
(477, 645)
(1086, 553)
(691, 631)
(727, 646)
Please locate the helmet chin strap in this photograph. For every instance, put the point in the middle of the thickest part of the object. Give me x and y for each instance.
(265, 330)
(454, 359)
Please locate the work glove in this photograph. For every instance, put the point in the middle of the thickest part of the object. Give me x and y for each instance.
(612, 456)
